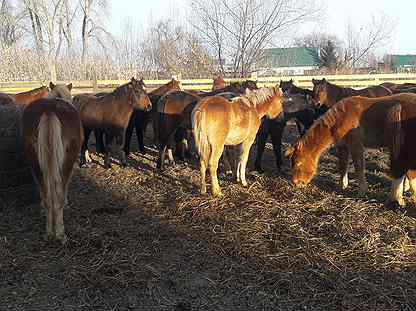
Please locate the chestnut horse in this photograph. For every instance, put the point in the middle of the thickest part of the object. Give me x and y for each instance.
(359, 121)
(25, 98)
(140, 119)
(219, 83)
(218, 122)
(110, 114)
(52, 136)
(327, 94)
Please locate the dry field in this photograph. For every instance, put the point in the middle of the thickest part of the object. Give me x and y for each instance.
(144, 240)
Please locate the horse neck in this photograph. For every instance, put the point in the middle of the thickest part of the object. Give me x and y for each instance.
(317, 140)
(263, 108)
(298, 90)
(161, 90)
(27, 98)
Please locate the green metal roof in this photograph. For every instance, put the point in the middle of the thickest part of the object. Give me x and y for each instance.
(403, 60)
(292, 57)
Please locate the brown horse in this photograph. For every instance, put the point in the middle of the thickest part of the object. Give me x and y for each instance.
(358, 121)
(327, 94)
(219, 83)
(110, 114)
(52, 136)
(396, 88)
(172, 113)
(217, 122)
(24, 98)
(140, 119)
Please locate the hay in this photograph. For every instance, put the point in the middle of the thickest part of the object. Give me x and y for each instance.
(141, 240)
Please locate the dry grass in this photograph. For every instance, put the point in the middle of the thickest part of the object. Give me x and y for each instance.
(142, 240)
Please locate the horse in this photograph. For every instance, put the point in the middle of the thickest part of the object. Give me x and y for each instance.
(172, 120)
(25, 98)
(394, 87)
(110, 114)
(327, 94)
(217, 122)
(219, 83)
(405, 90)
(52, 138)
(296, 105)
(357, 122)
(140, 119)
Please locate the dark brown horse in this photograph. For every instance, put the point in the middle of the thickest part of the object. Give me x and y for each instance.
(396, 88)
(358, 121)
(24, 98)
(110, 114)
(140, 119)
(218, 122)
(327, 94)
(52, 136)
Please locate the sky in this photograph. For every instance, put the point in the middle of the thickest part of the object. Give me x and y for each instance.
(337, 15)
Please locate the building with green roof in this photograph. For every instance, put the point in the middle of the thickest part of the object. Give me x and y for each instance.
(289, 61)
(403, 63)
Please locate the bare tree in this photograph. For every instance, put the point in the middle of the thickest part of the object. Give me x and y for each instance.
(246, 27)
(362, 41)
(10, 31)
(92, 27)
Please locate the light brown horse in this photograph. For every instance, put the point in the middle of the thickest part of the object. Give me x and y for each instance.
(218, 122)
(358, 121)
(24, 98)
(52, 136)
(327, 94)
(219, 83)
(110, 114)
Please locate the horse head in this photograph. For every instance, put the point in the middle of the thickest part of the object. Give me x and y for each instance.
(60, 91)
(304, 165)
(320, 92)
(141, 100)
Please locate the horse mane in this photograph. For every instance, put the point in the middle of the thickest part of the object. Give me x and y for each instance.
(119, 91)
(260, 96)
(327, 120)
(34, 91)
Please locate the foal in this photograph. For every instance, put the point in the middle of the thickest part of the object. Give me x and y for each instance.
(52, 137)
(359, 121)
(218, 122)
(110, 114)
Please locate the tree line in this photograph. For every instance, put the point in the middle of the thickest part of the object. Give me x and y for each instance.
(70, 39)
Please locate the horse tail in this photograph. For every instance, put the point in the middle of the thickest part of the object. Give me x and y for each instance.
(200, 135)
(51, 153)
(394, 135)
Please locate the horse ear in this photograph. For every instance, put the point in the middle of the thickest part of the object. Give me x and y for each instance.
(324, 80)
(289, 152)
(69, 86)
(313, 81)
(132, 79)
(51, 85)
(291, 80)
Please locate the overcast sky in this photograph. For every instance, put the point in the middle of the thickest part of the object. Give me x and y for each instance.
(337, 15)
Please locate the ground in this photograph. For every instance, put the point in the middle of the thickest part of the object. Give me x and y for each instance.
(144, 240)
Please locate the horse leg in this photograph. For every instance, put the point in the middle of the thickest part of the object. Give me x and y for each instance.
(118, 148)
(244, 149)
(140, 125)
(396, 194)
(160, 164)
(180, 138)
(262, 135)
(129, 134)
(227, 157)
(99, 141)
(343, 155)
(357, 153)
(411, 179)
(276, 131)
(301, 129)
(110, 140)
(214, 158)
(171, 159)
(85, 157)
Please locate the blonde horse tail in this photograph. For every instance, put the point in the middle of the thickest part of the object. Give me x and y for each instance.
(51, 154)
(200, 135)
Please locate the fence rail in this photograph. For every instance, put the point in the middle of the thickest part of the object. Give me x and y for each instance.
(355, 81)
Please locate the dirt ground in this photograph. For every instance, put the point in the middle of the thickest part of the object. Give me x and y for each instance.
(144, 240)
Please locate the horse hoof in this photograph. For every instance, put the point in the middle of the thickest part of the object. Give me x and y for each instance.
(394, 205)
(107, 166)
(259, 170)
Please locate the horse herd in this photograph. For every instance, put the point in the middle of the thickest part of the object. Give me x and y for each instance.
(219, 125)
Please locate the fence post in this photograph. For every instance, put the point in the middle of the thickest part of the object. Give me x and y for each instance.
(94, 81)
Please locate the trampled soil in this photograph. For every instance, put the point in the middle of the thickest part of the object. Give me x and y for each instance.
(144, 240)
